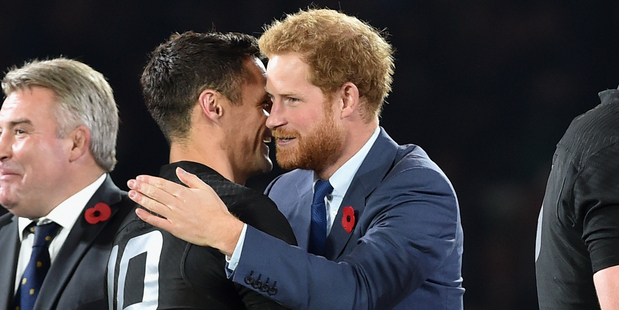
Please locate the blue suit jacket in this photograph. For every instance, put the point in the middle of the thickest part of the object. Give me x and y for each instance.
(76, 279)
(405, 251)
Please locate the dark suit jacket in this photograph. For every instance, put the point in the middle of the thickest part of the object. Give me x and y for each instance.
(76, 278)
(404, 252)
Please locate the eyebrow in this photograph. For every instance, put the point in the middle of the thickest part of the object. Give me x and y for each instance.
(287, 93)
(20, 121)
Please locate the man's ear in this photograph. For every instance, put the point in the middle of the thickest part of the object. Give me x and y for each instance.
(210, 104)
(79, 138)
(349, 96)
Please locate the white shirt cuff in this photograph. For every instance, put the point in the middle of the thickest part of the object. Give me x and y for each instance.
(233, 261)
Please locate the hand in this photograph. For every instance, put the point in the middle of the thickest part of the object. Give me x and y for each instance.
(194, 214)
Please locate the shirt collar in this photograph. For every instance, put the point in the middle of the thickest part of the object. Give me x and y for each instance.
(341, 179)
(67, 212)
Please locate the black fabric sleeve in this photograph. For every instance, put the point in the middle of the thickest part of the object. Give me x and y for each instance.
(261, 213)
(596, 193)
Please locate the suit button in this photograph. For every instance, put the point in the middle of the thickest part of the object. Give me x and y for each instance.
(257, 284)
(265, 287)
(273, 291)
(249, 279)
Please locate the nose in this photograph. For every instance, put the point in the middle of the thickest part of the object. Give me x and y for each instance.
(5, 145)
(276, 116)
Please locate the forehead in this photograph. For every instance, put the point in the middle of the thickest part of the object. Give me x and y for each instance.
(255, 79)
(285, 71)
(33, 103)
(256, 73)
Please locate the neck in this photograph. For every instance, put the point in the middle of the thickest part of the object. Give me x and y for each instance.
(206, 154)
(81, 177)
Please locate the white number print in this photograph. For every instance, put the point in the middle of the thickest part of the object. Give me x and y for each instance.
(151, 244)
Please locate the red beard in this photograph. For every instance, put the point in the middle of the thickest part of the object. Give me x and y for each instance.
(315, 151)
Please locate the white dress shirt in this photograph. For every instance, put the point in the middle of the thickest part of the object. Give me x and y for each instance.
(65, 215)
(341, 179)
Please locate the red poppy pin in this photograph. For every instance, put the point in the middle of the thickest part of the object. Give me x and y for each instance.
(348, 219)
(99, 213)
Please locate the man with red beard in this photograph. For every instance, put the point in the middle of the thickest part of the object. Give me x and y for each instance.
(377, 223)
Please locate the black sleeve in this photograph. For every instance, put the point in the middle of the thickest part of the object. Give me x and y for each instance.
(204, 272)
(255, 301)
(261, 213)
(596, 193)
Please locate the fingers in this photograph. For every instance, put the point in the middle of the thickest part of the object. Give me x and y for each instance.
(167, 186)
(153, 219)
(163, 191)
(195, 214)
(190, 179)
(148, 203)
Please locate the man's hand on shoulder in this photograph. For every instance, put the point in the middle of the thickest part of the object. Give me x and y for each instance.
(195, 213)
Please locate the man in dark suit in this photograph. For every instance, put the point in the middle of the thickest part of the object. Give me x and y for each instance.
(206, 92)
(58, 127)
(378, 224)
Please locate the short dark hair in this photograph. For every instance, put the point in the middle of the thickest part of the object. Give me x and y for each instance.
(187, 64)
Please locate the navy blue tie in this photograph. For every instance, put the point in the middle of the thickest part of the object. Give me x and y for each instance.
(318, 227)
(37, 266)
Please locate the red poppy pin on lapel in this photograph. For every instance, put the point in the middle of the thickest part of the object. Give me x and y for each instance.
(348, 219)
(99, 213)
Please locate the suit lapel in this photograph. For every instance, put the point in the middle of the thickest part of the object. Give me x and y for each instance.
(375, 166)
(302, 218)
(339, 237)
(78, 242)
(8, 264)
(293, 197)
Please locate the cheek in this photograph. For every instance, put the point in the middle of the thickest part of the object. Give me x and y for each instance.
(45, 156)
(257, 123)
(305, 122)
(39, 172)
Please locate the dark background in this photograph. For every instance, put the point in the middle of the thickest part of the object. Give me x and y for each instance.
(486, 87)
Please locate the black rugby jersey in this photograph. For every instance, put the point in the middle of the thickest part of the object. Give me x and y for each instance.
(578, 227)
(151, 269)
